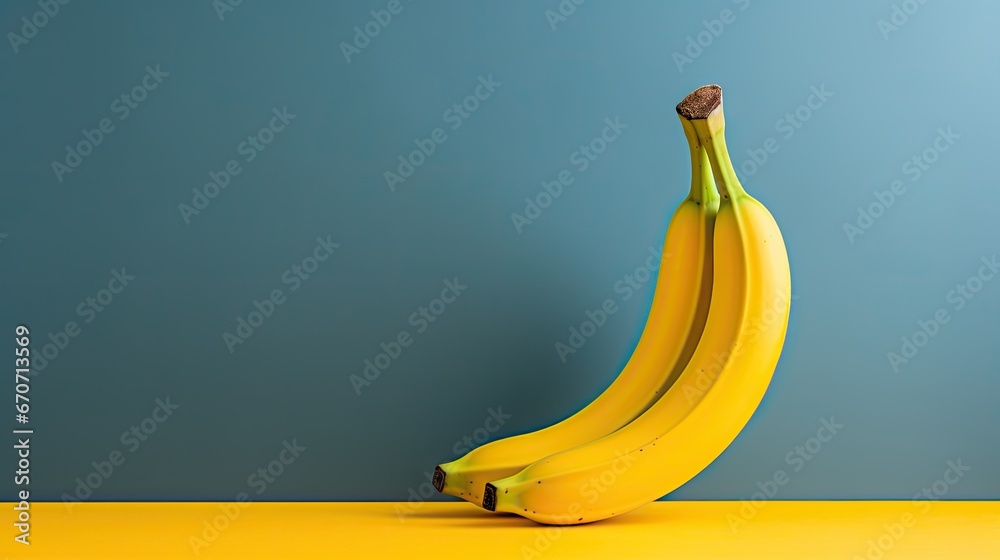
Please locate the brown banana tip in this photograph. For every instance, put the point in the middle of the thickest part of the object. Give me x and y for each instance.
(438, 480)
(700, 103)
(490, 498)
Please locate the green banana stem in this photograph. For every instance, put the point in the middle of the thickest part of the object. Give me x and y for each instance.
(703, 190)
(722, 165)
(703, 108)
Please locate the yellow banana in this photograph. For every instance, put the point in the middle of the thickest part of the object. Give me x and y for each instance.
(715, 396)
(673, 327)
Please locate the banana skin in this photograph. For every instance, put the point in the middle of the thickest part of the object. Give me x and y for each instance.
(719, 389)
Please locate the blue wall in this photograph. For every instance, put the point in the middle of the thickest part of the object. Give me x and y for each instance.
(296, 129)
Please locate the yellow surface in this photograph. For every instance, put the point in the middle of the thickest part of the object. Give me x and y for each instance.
(670, 530)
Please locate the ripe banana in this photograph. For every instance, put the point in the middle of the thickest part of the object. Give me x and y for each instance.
(673, 327)
(715, 396)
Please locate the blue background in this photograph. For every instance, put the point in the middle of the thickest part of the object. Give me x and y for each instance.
(323, 175)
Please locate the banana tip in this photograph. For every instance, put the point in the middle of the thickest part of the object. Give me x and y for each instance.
(700, 103)
(490, 498)
(438, 480)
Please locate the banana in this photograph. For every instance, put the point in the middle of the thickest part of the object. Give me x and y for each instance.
(718, 391)
(673, 327)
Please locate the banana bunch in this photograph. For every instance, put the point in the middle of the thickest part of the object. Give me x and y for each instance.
(702, 364)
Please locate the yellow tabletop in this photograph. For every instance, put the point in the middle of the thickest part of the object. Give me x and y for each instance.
(671, 530)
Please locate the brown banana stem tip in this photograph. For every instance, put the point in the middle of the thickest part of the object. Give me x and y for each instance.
(438, 480)
(490, 498)
(700, 103)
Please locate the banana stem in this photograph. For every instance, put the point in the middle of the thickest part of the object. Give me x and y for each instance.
(703, 108)
(703, 190)
(718, 154)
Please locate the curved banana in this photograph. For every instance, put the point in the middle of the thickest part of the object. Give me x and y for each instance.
(673, 327)
(715, 396)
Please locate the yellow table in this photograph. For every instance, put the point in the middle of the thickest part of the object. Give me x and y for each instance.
(673, 530)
